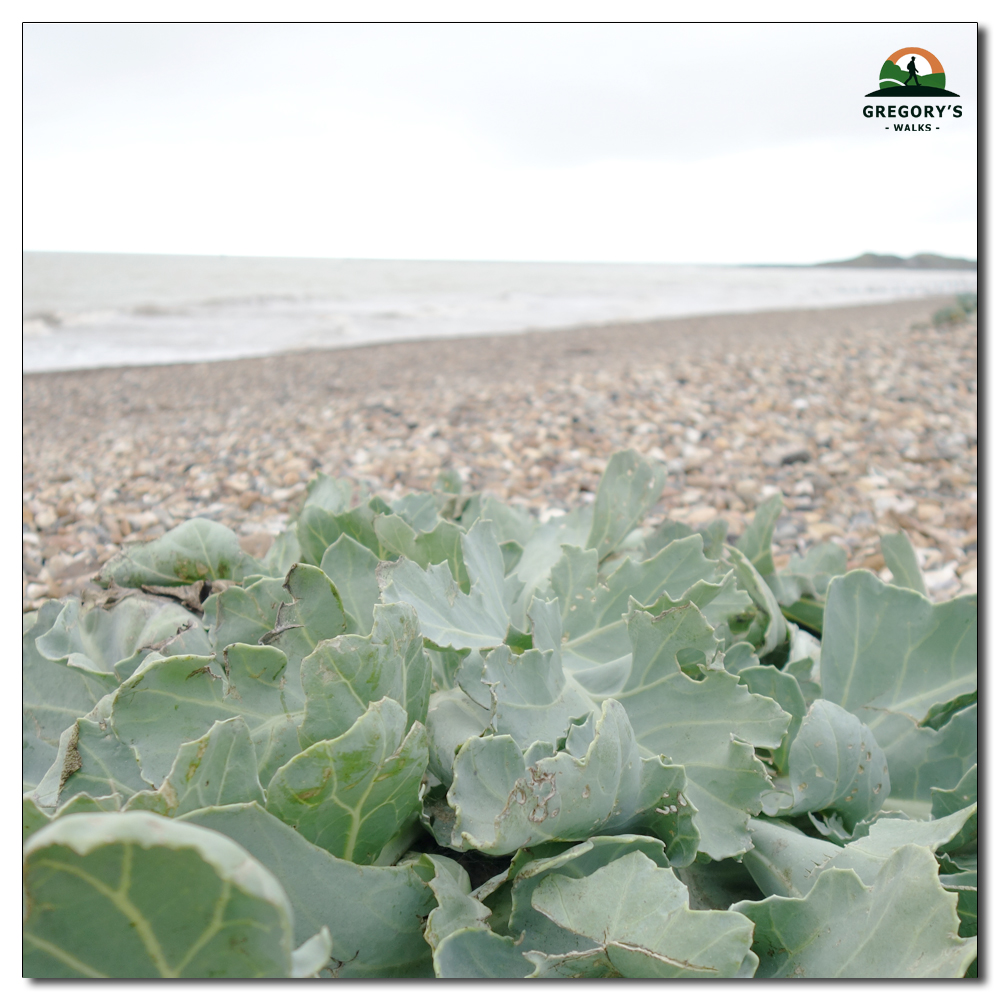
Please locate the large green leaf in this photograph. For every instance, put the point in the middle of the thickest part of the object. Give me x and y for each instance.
(478, 953)
(216, 770)
(375, 915)
(755, 542)
(902, 562)
(801, 587)
(342, 675)
(53, 695)
(786, 862)
(945, 801)
(532, 697)
(769, 632)
(903, 926)
(449, 617)
(244, 614)
(456, 906)
(834, 764)
(921, 758)
(115, 642)
(533, 929)
(908, 669)
(176, 700)
(351, 795)
(710, 726)
(137, 896)
(541, 551)
(596, 647)
(505, 800)
(327, 493)
(452, 718)
(315, 613)
(628, 488)
(198, 549)
(890, 649)
(33, 817)
(351, 568)
(442, 543)
(780, 686)
(639, 914)
(317, 528)
(90, 759)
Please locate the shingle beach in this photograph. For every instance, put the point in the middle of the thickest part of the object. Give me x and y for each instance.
(864, 417)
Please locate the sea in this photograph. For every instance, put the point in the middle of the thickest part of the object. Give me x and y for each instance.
(95, 310)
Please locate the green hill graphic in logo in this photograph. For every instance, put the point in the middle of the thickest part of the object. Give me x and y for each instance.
(911, 72)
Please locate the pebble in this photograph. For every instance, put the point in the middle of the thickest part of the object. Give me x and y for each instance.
(864, 418)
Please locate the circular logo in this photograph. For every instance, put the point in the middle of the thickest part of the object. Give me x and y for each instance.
(912, 72)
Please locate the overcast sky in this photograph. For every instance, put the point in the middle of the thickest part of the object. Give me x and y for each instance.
(627, 142)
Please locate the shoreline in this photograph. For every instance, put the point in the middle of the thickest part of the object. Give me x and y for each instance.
(879, 406)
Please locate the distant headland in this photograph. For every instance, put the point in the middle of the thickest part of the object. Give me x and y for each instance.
(921, 261)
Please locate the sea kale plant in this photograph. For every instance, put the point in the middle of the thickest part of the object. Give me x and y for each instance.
(440, 737)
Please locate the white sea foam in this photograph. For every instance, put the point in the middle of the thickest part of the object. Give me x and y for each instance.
(106, 310)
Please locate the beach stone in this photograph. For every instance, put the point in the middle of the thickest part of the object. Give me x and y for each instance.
(118, 455)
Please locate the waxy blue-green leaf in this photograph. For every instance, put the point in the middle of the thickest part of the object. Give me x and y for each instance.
(921, 758)
(420, 510)
(216, 770)
(541, 551)
(353, 794)
(375, 915)
(176, 700)
(786, 862)
(903, 926)
(342, 675)
(84, 802)
(505, 799)
(639, 914)
(90, 759)
(244, 614)
(532, 697)
(890, 649)
(945, 801)
(442, 543)
(902, 562)
(452, 718)
(629, 487)
(770, 629)
(53, 695)
(449, 617)
(834, 764)
(198, 549)
(351, 568)
(115, 642)
(457, 908)
(865, 854)
(33, 816)
(479, 953)
(329, 494)
(709, 726)
(801, 587)
(727, 608)
(960, 874)
(596, 647)
(137, 896)
(755, 542)
(781, 687)
(530, 866)
(284, 552)
(315, 613)
(317, 529)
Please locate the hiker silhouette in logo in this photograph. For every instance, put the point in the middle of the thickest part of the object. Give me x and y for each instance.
(912, 67)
